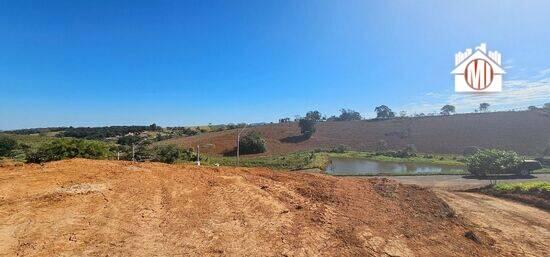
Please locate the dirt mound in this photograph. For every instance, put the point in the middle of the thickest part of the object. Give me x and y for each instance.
(85, 207)
(525, 132)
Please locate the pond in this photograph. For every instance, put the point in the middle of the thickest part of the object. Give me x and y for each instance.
(347, 166)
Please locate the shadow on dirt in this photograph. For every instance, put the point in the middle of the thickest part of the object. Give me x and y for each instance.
(295, 139)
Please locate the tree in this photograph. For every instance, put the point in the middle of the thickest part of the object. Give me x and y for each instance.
(154, 127)
(493, 161)
(546, 107)
(532, 108)
(313, 115)
(384, 112)
(307, 127)
(402, 114)
(7, 144)
(252, 143)
(483, 107)
(284, 120)
(348, 114)
(447, 109)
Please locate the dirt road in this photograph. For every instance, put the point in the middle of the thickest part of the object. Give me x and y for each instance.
(460, 182)
(519, 230)
(108, 208)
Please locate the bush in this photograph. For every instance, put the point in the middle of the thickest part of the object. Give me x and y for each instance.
(407, 152)
(167, 154)
(69, 148)
(493, 161)
(7, 144)
(252, 143)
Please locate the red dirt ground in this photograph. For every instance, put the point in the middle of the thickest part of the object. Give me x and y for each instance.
(109, 208)
(526, 132)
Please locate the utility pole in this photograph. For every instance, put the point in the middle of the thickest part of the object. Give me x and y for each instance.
(239, 142)
(198, 155)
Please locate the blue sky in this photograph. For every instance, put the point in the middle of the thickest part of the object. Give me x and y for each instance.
(92, 63)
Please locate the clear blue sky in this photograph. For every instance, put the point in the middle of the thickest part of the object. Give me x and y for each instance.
(91, 63)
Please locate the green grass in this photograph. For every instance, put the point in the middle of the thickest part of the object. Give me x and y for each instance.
(449, 160)
(523, 186)
(319, 160)
(294, 161)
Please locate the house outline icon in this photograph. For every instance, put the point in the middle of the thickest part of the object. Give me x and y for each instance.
(462, 59)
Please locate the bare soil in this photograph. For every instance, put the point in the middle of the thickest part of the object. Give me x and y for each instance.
(526, 132)
(518, 229)
(108, 208)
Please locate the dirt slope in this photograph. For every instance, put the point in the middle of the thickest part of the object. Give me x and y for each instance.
(107, 208)
(526, 132)
(522, 230)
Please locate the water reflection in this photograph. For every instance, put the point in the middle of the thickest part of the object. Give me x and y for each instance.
(346, 166)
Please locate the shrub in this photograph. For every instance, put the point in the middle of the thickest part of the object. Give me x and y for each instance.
(252, 143)
(493, 161)
(407, 152)
(167, 154)
(7, 144)
(339, 149)
(69, 148)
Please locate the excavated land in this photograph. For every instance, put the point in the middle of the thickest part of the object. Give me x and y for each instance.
(112, 208)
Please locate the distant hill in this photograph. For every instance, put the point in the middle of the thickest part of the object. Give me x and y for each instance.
(527, 132)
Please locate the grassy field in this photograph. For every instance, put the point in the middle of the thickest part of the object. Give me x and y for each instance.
(319, 160)
(294, 161)
(447, 159)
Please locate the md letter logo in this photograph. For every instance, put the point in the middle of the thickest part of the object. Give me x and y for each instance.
(478, 71)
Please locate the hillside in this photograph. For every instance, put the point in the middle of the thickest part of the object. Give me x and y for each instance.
(527, 132)
(109, 208)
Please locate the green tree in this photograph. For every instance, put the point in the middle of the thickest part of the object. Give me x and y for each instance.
(384, 112)
(313, 115)
(348, 114)
(252, 143)
(483, 107)
(307, 127)
(7, 144)
(447, 109)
